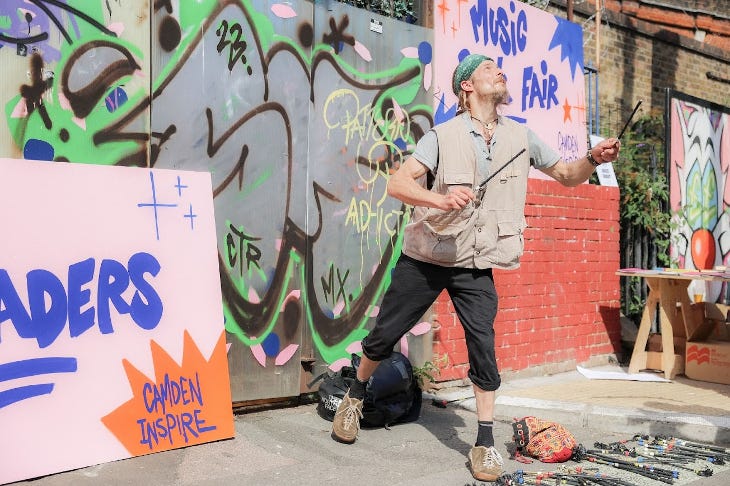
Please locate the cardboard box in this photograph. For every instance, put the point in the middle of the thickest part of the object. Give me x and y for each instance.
(707, 352)
(708, 361)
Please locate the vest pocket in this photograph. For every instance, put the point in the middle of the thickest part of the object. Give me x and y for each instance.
(448, 224)
(442, 228)
(510, 243)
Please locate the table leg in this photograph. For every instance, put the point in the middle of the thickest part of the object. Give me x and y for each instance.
(671, 323)
(639, 355)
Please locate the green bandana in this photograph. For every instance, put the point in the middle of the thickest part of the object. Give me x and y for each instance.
(465, 69)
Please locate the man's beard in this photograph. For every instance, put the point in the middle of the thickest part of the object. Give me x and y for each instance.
(501, 96)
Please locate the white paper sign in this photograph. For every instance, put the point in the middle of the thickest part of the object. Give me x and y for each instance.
(605, 173)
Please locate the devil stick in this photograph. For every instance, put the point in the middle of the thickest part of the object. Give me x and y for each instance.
(484, 182)
(629, 120)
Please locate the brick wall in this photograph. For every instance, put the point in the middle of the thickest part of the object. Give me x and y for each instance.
(705, 20)
(643, 51)
(561, 307)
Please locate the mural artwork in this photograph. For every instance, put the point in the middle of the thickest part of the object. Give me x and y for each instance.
(699, 189)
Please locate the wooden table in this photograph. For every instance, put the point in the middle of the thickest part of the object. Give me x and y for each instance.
(678, 318)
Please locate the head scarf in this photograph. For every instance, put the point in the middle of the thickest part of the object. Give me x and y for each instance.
(465, 69)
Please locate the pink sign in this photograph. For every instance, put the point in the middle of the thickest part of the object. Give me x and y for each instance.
(540, 54)
(111, 326)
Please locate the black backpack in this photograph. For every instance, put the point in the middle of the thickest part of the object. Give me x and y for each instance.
(392, 394)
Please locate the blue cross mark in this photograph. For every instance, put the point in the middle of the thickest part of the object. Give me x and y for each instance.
(154, 205)
(192, 217)
(179, 186)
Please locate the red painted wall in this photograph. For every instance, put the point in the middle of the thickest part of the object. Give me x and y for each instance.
(561, 307)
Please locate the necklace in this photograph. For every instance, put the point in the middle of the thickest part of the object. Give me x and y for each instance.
(489, 126)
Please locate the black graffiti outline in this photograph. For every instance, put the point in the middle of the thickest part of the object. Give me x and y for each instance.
(337, 33)
(33, 93)
(85, 99)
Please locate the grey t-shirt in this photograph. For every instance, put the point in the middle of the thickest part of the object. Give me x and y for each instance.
(542, 156)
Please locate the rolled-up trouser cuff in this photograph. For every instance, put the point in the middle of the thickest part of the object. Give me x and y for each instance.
(483, 384)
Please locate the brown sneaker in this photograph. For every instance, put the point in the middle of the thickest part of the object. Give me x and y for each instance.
(346, 423)
(485, 463)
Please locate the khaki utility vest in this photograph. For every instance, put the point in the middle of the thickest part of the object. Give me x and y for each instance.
(487, 235)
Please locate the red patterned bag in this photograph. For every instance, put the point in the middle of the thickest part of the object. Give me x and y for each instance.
(544, 440)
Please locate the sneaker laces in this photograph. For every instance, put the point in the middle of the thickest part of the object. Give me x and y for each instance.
(352, 414)
(492, 457)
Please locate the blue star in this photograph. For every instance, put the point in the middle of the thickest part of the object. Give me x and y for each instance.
(442, 112)
(569, 37)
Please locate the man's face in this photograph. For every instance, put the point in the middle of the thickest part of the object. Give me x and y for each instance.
(488, 81)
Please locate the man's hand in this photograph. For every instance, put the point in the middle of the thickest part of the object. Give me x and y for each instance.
(606, 150)
(457, 198)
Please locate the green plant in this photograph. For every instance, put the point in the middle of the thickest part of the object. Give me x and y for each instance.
(643, 185)
(646, 222)
(426, 374)
(397, 9)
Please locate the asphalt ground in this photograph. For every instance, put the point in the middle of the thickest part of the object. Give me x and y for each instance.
(292, 446)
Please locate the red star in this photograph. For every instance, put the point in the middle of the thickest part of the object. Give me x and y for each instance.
(566, 111)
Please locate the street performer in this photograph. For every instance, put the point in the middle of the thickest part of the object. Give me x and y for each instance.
(469, 221)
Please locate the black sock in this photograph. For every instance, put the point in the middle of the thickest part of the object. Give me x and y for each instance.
(357, 389)
(484, 434)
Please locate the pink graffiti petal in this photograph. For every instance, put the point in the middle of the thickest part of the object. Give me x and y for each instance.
(286, 354)
(337, 365)
(292, 296)
(363, 51)
(283, 11)
(397, 111)
(116, 27)
(354, 347)
(277, 244)
(410, 52)
(81, 122)
(404, 346)
(63, 101)
(338, 308)
(258, 352)
(421, 328)
(375, 311)
(20, 110)
(427, 76)
(253, 296)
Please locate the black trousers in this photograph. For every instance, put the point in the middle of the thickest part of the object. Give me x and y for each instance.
(414, 286)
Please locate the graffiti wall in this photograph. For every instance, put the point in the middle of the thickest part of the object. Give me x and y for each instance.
(304, 112)
(298, 110)
(699, 189)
